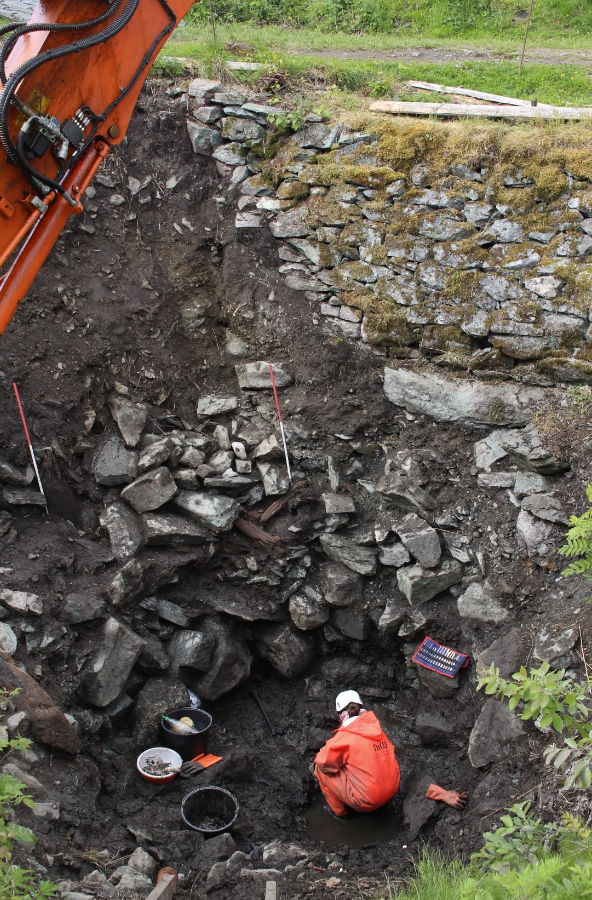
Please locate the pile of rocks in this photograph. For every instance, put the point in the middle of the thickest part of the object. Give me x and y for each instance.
(420, 264)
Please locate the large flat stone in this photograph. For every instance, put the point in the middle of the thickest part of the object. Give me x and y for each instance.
(125, 530)
(507, 654)
(405, 493)
(420, 585)
(150, 490)
(342, 586)
(169, 530)
(493, 731)
(190, 650)
(546, 507)
(479, 604)
(130, 418)
(157, 697)
(82, 607)
(353, 556)
(230, 663)
(289, 652)
(461, 401)
(256, 376)
(420, 539)
(22, 601)
(213, 405)
(214, 511)
(120, 649)
(113, 463)
(308, 609)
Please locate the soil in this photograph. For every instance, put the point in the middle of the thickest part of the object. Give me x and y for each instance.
(536, 55)
(106, 308)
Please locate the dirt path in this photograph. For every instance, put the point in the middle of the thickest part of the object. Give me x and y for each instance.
(538, 55)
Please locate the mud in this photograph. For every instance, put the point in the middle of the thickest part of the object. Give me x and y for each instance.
(106, 308)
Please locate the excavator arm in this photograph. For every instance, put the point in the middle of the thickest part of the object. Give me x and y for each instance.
(71, 77)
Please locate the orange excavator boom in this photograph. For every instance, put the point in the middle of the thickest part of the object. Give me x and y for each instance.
(71, 77)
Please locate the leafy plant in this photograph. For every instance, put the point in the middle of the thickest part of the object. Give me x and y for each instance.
(558, 700)
(288, 120)
(575, 758)
(579, 542)
(520, 839)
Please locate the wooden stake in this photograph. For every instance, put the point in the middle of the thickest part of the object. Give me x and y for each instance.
(525, 36)
(484, 111)
(584, 657)
(212, 19)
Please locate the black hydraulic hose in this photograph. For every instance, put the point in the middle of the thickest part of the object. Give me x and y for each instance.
(7, 95)
(25, 28)
(30, 172)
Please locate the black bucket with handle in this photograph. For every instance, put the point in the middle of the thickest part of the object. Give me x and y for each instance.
(188, 746)
(210, 810)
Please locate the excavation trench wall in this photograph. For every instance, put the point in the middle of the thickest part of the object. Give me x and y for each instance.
(421, 503)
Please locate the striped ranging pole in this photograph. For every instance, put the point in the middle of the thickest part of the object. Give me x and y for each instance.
(277, 404)
(31, 451)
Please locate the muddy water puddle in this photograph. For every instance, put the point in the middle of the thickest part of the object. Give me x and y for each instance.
(361, 829)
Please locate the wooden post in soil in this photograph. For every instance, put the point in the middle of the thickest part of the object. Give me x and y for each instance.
(214, 25)
(525, 35)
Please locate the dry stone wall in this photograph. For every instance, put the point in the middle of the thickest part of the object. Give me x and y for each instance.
(418, 264)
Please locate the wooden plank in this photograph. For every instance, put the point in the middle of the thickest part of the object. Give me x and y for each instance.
(480, 112)
(478, 95)
(165, 888)
(270, 890)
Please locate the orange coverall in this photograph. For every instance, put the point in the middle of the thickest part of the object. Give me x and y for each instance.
(357, 768)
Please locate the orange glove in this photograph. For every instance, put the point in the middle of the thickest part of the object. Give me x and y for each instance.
(451, 798)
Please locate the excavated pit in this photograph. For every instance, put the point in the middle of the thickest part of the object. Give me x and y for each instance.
(159, 293)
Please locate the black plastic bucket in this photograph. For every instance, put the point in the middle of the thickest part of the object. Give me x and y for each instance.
(210, 810)
(188, 746)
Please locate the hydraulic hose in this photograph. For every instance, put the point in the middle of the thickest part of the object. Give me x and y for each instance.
(12, 83)
(25, 28)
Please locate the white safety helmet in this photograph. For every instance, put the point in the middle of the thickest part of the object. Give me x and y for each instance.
(345, 698)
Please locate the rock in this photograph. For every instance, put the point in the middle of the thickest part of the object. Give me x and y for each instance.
(268, 449)
(113, 463)
(420, 585)
(552, 644)
(528, 483)
(168, 530)
(8, 640)
(546, 507)
(230, 154)
(155, 454)
(214, 511)
(351, 621)
(416, 806)
(420, 539)
(275, 479)
(442, 228)
(192, 458)
(238, 129)
(30, 782)
(9, 474)
(190, 653)
(49, 725)
(289, 652)
(317, 136)
(479, 604)
(496, 480)
(157, 697)
(256, 376)
(533, 532)
(215, 406)
(489, 450)
(230, 664)
(341, 550)
(202, 89)
(115, 659)
(405, 493)
(433, 729)
(338, 504)
(308, 609)
(82, 607)
(153, 659)
(130, 418)
(248, 220)
(439, 686)
(506, 654)
(504, 232)
(47, 811)
(342, 586)
(394, 614)
(142, 862)
(128, 583)
(208, 115)
(460, 401)
(125, 530)
(459, 170)
(221, 461)
(495, 728)
(133, 882)
(171, 612)
(545, 286)
(526, 450)
(22, 497)
(393, 555)
(290, 224)
(150, 490)
(21, 601)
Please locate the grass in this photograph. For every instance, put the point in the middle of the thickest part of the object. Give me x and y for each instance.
(559, 85)
(381, 24)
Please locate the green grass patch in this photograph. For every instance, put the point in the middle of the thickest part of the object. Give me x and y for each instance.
(559, 85)
(562, 22)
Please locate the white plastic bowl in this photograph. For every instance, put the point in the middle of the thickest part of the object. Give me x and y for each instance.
(160, 753)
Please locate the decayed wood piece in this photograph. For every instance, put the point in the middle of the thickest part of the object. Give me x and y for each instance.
(478, 95)
(277, 505)
(256, 533)
(480, 112)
